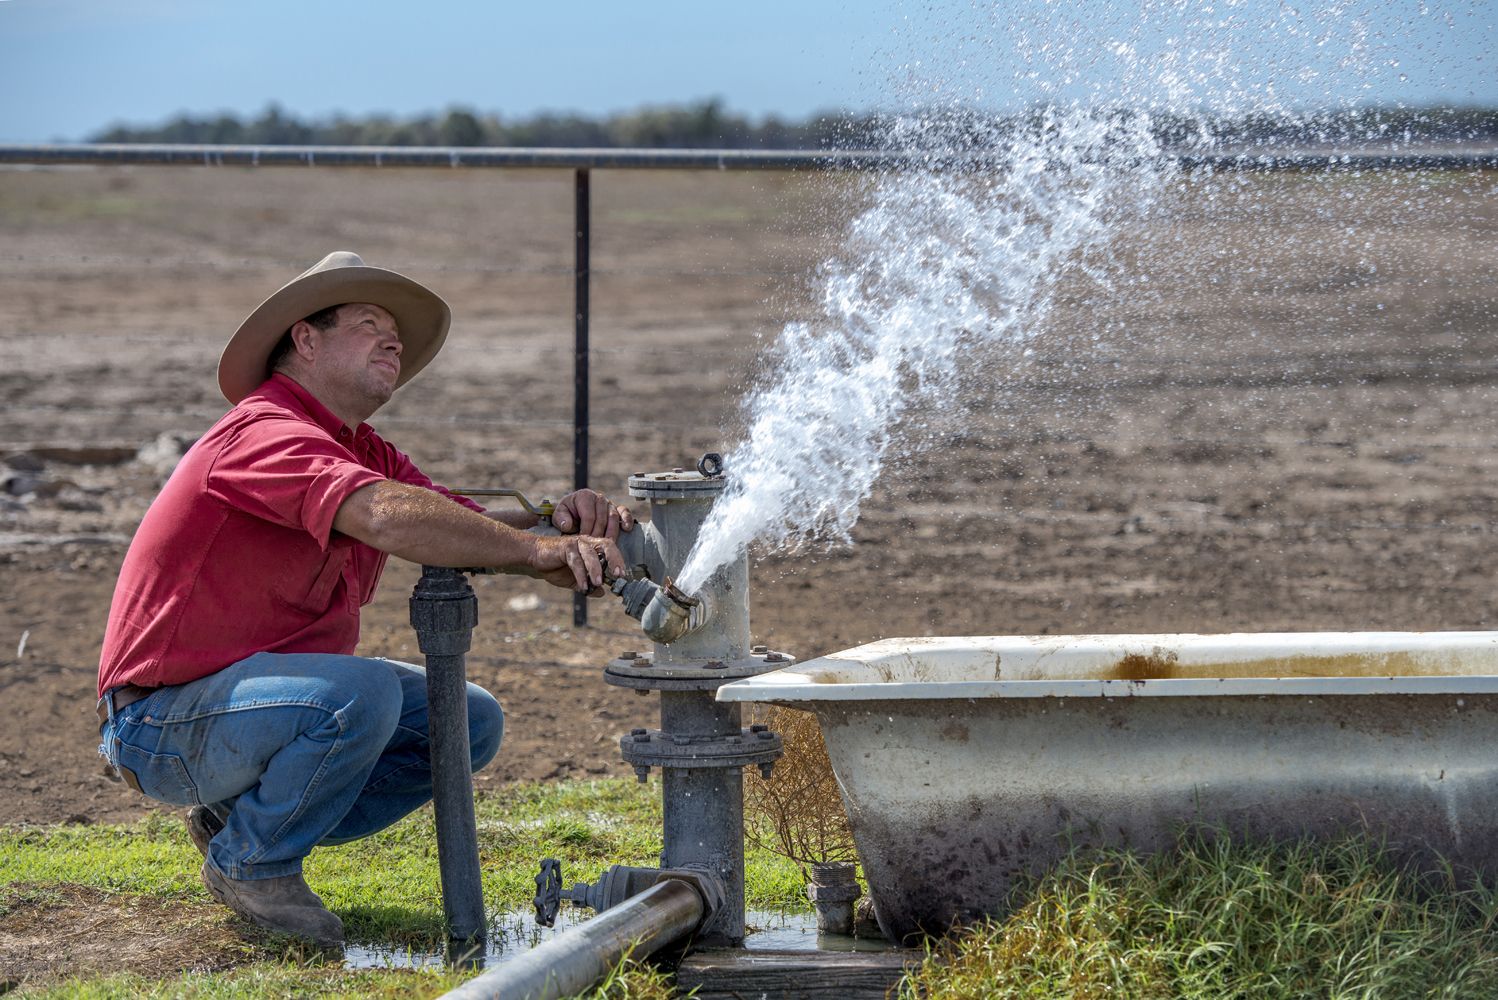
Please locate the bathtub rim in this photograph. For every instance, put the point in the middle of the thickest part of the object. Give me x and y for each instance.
(808, 681)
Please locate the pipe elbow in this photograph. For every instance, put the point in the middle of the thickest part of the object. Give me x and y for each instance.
(665, 620)
(664, 612)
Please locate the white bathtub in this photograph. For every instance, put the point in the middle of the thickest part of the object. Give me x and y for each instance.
(966, 761)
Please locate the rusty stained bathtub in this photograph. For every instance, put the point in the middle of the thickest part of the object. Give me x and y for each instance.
(965, 761)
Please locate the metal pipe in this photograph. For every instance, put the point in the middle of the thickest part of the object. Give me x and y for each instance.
(702, 808)
(444, 612)
(578, 957)
(701, 640)
(1485, 158)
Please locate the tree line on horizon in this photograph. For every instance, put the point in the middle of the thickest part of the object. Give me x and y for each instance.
(707, 124)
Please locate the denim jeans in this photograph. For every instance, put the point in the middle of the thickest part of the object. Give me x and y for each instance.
(291, 750)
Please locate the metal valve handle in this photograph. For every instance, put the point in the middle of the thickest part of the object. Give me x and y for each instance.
(544, 509)
(548, 892)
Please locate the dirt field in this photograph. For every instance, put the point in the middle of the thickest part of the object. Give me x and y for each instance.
(1288, 427)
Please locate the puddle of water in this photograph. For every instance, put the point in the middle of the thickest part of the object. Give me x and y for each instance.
(772, 930)
(513, 933)
(516, 932)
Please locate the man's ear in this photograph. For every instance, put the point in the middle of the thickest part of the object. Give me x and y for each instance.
(303, 339)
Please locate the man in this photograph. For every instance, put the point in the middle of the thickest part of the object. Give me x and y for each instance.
(227, 680)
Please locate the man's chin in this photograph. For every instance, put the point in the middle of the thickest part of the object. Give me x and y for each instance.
(379, 391)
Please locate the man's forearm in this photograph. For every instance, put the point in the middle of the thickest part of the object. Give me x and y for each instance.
(426, 527)
(514, 518)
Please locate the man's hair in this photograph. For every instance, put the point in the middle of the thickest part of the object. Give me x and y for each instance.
(323, 319)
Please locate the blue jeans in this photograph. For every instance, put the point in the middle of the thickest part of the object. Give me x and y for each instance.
(291, 750)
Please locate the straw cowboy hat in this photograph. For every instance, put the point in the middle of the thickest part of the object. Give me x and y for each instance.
(420, 315)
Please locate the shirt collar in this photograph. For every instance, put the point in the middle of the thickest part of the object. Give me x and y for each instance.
(287, 391)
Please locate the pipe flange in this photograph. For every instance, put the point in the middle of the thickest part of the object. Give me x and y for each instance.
(678, 484)
(654, 748)
(641, 672)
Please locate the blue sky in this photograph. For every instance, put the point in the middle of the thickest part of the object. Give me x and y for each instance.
(71, 67)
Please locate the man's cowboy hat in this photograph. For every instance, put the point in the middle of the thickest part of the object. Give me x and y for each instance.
(420, 315)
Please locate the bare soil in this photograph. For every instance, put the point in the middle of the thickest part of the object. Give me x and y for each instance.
(1288, 426)
(58, 932)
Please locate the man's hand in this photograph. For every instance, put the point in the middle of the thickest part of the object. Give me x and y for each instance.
(588, 512)
(577, 561)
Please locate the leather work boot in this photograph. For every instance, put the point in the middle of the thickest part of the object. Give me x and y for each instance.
(202, 826)
(284, 905)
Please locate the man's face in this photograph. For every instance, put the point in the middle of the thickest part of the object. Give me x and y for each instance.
(361, 353)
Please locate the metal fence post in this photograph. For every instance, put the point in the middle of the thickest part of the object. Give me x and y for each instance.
(582, 211)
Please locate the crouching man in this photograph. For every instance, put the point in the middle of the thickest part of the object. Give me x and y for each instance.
(228, 680)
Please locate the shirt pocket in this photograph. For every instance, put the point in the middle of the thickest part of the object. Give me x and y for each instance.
(364, 575)
(316, 598)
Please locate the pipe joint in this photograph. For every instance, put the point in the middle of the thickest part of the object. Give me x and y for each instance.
(708, 885)
(664, 612)
(444, 611)
(622, 882)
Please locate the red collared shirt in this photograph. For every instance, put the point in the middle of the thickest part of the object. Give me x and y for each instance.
(238, 554)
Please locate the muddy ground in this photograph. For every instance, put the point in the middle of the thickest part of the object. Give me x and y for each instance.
(1288, 426)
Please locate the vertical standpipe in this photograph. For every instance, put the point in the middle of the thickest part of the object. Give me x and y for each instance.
(702, 746)
(444, 612)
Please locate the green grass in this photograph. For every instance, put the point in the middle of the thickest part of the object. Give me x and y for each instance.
(386, 888)
(254, 981)
(1213, 919)
(288, 979)
(1220, 920)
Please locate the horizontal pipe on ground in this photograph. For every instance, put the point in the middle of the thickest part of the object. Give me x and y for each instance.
(583, 954)
(689, 159)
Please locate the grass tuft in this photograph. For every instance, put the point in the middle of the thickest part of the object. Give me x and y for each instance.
(1223, 919)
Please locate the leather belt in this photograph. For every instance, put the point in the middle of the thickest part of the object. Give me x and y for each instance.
(125, 694)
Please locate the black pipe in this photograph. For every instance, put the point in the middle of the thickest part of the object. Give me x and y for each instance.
(582, 215)
(692, 159)
(444, 612)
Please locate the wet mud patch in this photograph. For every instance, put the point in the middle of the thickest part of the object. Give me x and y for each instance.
(53, 932)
